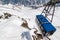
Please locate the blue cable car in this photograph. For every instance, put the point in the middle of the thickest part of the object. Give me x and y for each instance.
(48, 28)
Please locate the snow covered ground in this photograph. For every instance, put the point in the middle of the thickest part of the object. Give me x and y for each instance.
(11, 29)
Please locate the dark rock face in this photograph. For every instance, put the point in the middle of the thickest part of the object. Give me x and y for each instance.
(1, 16)
(7, 15)
(25, 24)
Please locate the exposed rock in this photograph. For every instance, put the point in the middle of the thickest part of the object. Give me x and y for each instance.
(25, 25)
(24, 20)
(34, 37)
(1, 16)
(39, 36)
(7, 15)
(18, 17)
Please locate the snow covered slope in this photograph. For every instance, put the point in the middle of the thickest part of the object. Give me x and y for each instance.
(11, 29)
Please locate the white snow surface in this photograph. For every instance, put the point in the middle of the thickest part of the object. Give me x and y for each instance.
(11, 29)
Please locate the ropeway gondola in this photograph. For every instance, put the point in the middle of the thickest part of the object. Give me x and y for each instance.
(46, 25)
